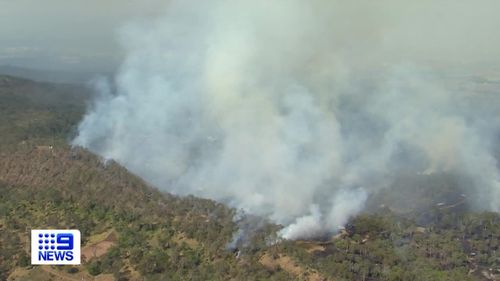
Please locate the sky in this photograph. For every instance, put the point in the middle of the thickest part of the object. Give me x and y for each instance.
(81, 35)
(77, 35)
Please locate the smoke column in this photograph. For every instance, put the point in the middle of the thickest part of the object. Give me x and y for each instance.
(298, 110)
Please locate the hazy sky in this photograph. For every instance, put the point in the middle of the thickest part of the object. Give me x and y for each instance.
(67, 34)
(81, 34)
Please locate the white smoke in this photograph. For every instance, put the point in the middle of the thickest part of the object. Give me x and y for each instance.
(293, 110)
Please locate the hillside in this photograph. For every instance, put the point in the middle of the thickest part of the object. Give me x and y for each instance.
(131, 231)
(53, 76)
(46, 184)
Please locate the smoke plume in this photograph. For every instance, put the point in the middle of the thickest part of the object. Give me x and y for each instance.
(299, 110)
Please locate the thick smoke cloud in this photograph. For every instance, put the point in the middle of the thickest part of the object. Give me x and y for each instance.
(299, 110)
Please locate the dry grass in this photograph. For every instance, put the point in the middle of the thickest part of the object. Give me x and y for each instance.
(290, 266)
(99, 245)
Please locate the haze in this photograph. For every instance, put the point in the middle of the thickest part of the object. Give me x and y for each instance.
(298, 111)
(72, 35)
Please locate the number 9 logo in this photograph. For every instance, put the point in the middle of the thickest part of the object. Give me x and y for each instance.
(65, 241)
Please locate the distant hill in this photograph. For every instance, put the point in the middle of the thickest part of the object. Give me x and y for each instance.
(132, 231)
(52, 76)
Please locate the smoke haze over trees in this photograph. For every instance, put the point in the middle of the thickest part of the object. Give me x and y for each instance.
(299, 111)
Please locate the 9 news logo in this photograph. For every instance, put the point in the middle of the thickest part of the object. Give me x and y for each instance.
(56, 247)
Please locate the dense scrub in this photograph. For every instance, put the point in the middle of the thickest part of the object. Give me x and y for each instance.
(46, 184)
